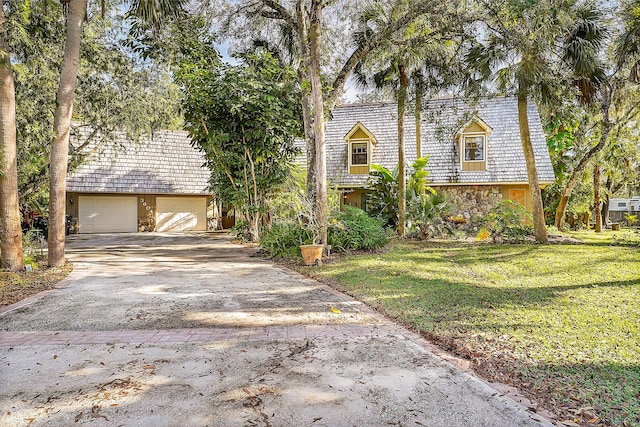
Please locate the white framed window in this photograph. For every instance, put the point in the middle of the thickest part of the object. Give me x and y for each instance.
(359, 153)
(474, 147)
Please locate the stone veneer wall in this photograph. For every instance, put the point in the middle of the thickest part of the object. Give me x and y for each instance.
(472, 200)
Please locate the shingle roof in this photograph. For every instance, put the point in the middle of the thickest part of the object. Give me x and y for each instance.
(164, 163)
(442, 118)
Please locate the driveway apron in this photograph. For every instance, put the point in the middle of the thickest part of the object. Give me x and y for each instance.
(193, 330)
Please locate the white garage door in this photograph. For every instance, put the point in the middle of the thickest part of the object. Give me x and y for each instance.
(181, 214)
(108, 214)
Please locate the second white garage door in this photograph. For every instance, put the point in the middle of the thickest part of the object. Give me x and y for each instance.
(107, 214)
(181, 214)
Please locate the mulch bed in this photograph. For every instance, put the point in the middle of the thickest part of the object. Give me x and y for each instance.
(15, 287)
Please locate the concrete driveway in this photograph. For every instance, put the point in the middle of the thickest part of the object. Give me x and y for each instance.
(192, 330)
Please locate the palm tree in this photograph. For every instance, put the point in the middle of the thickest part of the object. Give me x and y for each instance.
(597, 90)
(10, 230)
(396, 78)
(61, 127)
(516, 54)
(304, 21)
(404, 57)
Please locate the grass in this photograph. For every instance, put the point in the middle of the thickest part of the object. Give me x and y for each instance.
(560, 321)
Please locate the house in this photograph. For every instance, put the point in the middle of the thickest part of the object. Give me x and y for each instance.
(475, 157)
(475, 152)
(157, 184)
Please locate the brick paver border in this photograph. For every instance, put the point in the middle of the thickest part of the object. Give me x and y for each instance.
(148, 336)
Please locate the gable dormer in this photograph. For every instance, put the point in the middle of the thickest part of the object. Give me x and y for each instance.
(360, 143)
(472, 142)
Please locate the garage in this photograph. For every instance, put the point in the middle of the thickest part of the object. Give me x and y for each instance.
(107, 214)
(181, 214)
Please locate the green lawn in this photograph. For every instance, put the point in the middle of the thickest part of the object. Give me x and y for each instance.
(561, 321)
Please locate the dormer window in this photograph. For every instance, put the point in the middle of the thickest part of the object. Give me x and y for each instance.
(472, 139)
(360, 149)
(474, 148)
(359, 154)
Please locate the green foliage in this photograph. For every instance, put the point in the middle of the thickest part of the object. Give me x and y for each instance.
(505, 222)
(427, 214)
(33, 245)
(631, 219)
(383, 185)
(382, 200)
(115, 90)
(425, 208)
(349, 230)
(245, 118)
(283, 238)
(352, 229)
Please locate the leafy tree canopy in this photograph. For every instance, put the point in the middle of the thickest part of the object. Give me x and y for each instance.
(245, 119)
(116, 90)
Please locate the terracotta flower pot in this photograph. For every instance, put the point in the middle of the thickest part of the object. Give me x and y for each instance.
(312, 254)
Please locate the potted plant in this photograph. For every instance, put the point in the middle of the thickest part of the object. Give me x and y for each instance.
(311, 252)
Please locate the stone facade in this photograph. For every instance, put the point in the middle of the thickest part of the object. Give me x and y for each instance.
(471, 201)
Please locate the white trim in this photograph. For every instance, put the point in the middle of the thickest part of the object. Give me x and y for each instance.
(477, 120)
(363, 128)
(350, 143)
(463, 149)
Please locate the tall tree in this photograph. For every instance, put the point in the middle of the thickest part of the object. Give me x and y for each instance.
(596, 197)
(407, 60)
(305, 24)
(61, 129)
(245, 118)
(115, 90)
(607, 94)
(514, 50)
(145, 12)
(10, 230)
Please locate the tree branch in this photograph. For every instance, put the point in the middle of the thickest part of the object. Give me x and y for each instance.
(361, 52)
(282, 12)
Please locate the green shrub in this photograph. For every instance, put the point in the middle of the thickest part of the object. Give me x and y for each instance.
(283, 238)
(240, 229)
(353, 229)
(426, 216)
(504, 222)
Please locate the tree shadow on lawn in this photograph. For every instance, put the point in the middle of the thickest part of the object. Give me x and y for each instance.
(467, 294)
(534, 261)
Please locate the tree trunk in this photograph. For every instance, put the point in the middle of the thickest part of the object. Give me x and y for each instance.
(10, 230)
(315, 43)
(418, 115)
(539, 226)
(307, 119)
(596, 197)
(606, 125)
(605, 203)
(61, 128)
(402, 179)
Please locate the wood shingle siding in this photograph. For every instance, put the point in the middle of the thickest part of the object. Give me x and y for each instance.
(442, 118)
